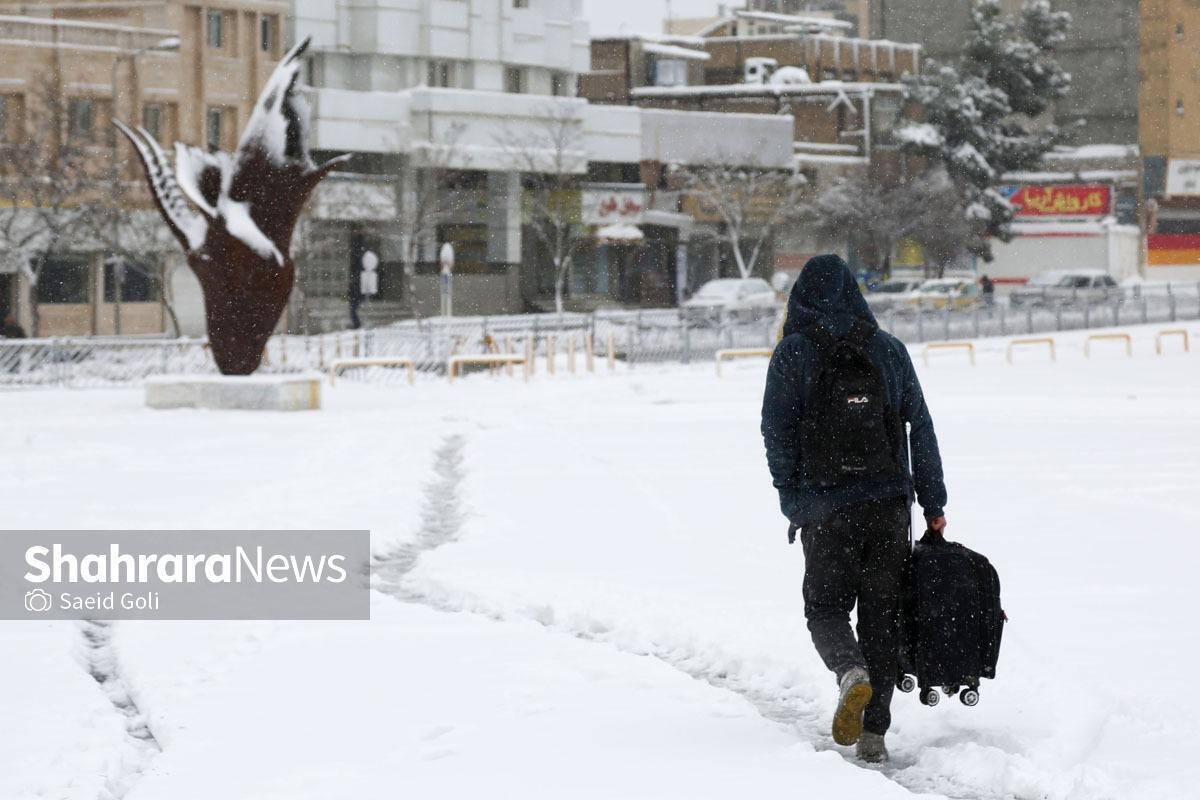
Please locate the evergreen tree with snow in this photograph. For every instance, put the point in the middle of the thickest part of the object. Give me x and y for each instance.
(983, 115)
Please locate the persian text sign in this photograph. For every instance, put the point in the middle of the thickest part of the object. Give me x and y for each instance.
(606, 206)
(1060, 200)
(184, 575)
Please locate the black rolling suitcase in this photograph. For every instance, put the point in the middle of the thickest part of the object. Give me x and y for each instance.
(951, 621)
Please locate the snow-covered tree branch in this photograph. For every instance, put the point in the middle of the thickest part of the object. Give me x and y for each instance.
(551, 161)
(44, 175)
(982, 115)
(752, 203)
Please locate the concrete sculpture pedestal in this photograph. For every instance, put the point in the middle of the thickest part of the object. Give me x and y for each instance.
(235, 392)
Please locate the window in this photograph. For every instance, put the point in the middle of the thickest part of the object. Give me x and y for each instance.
(212, 129)
(885, 112)
(215, 27)
(220, 125)
(81, 117)
(1179, 31)
(558, 84)
(668, 72)
(64, 279)
(514, 80)
(439, 74)
(470, 246)
(266, 33)
(520, 3)
(12, 117)
(152, 120)
(139, 283)
(1179, 107)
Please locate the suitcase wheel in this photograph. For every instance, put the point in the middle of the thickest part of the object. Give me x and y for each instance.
(906, 683)
(930, 697)
(969, 697)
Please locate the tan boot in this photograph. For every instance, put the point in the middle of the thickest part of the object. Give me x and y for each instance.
(871, 748)
(855, 693)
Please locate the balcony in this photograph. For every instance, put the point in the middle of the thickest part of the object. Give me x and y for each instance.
(71, 35)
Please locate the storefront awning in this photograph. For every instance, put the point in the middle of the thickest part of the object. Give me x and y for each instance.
(620, 234)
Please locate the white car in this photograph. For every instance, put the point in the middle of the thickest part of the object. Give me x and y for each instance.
(1067, 286)
(894, 293)
(732, 298)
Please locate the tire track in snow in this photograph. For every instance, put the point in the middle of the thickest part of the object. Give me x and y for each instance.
(793, 706)
(141, 746)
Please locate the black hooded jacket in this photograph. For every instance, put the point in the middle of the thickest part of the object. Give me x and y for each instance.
(826, 293)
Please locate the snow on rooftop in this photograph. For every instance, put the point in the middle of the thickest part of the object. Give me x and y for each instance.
(1095, 151)
(790, 76)
(1050, 176)
(674, 51)
(793, 19)
(620, 232)
(822, 88)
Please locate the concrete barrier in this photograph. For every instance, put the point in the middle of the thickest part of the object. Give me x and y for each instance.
(235, 392)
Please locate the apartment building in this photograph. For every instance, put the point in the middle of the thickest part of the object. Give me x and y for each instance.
(1169, 134)
(1101, 53)
(840, 94)
(186, 73)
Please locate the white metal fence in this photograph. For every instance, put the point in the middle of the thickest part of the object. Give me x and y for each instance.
(629, 337)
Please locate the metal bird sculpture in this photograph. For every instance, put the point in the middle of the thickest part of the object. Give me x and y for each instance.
(234, 214)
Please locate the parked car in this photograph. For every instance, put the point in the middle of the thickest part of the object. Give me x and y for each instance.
(947, 292)
(732, 298)
(894, 293)
(1067, 286)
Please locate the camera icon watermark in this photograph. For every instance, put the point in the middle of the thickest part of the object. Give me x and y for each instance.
(37, 600)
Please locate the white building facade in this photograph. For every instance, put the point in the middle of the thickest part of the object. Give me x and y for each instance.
(481, 93)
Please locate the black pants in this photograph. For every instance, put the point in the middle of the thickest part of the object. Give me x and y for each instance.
(859, 555)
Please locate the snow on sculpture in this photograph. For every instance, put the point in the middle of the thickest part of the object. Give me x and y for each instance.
(234, 214)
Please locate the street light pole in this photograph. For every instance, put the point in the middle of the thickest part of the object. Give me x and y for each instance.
(170, 44)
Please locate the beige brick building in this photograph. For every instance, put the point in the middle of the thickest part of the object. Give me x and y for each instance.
(185, 72)
(1169, 135)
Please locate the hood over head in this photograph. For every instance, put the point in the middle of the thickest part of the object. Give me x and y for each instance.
(826, 293)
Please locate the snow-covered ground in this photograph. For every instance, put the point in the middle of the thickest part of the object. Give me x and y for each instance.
(602, 602)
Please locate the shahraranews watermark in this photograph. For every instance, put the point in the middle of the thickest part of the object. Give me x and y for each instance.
(184, 575)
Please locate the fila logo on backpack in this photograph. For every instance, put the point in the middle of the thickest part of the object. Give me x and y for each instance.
(849, 432)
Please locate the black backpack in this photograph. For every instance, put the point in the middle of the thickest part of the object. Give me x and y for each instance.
(849, 432)
(951, 620)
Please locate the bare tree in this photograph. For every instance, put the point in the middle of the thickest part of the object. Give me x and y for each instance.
(426, 201)
(118, 216)
(43, 177)
(945, 229)
(752, 202)
(552, 159)
(877, 216)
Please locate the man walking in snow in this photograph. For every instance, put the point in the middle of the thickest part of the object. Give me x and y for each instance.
(839, 392)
